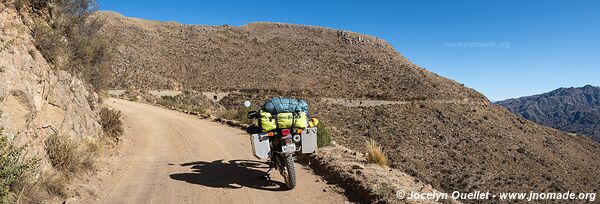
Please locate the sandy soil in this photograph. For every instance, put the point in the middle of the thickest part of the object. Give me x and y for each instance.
(170, 157)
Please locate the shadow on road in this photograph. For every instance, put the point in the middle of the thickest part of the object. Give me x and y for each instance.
(231, 174)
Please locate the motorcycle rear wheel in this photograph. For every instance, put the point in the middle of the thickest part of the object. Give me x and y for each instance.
(288, 171)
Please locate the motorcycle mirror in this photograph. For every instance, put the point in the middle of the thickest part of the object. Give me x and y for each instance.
(252, 115)
(247, 103)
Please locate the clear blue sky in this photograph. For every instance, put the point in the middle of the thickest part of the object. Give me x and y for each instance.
(502, 48)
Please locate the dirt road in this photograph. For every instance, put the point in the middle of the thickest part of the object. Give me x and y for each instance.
(170, 157)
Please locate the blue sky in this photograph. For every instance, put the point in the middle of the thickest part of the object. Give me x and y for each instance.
(502, 48)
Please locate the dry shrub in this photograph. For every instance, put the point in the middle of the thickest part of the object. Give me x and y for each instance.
(375, 153)
(111, 123)
(69, 156)
(90, 151)
(62, 153)
(48, 42)
(47, 186)
(54, 183)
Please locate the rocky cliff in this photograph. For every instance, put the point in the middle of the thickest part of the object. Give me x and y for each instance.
(35, 99)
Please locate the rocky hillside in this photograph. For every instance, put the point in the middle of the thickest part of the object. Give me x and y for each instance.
(438, 131)
(267, 56)
(575, 110)
(34, 98)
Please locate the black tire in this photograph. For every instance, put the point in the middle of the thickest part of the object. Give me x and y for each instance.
(289, 171)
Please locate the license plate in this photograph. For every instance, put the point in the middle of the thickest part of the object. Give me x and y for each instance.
(291, 148)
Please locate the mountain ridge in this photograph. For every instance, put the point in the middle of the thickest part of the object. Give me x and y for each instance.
(223, 51)
(574, 109)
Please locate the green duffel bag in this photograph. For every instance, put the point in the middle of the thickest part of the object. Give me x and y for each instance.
(266, 121)
(285, 120)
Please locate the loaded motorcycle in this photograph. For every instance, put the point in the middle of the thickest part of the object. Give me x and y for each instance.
(279, 135)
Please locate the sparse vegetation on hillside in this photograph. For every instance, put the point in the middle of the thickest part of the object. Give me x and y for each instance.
(294, 59)
(239, 115)
(68, 39)
(15, 166)
(452, 146)
(167, 101)
(188, 101)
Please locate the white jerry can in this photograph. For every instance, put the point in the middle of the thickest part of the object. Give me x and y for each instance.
(309, 140)
(260, 145)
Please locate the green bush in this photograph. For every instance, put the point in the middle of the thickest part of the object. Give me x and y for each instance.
(323, 135)
(14, 167)
(111, 123)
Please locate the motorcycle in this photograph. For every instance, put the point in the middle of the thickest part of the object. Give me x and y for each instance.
(280, 147)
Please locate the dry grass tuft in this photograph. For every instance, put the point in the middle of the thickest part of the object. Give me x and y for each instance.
(375, 153)
(54, 183)
(62, 153)
(71, 157)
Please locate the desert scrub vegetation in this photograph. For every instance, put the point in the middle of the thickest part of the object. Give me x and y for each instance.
(68, 39)
(188, 101)
(240, 114)
(375, 153)
(22, 181)
(111, 123)
(15, 166)
(69, 156)
(323, 135)
(167, 101)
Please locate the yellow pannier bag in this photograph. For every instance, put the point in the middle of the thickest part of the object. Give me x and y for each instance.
(267, 122)
(285, 120)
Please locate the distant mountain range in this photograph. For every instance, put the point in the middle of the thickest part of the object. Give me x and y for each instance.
(575, 110)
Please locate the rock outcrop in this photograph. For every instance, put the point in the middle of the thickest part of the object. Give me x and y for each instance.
(35, 99)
